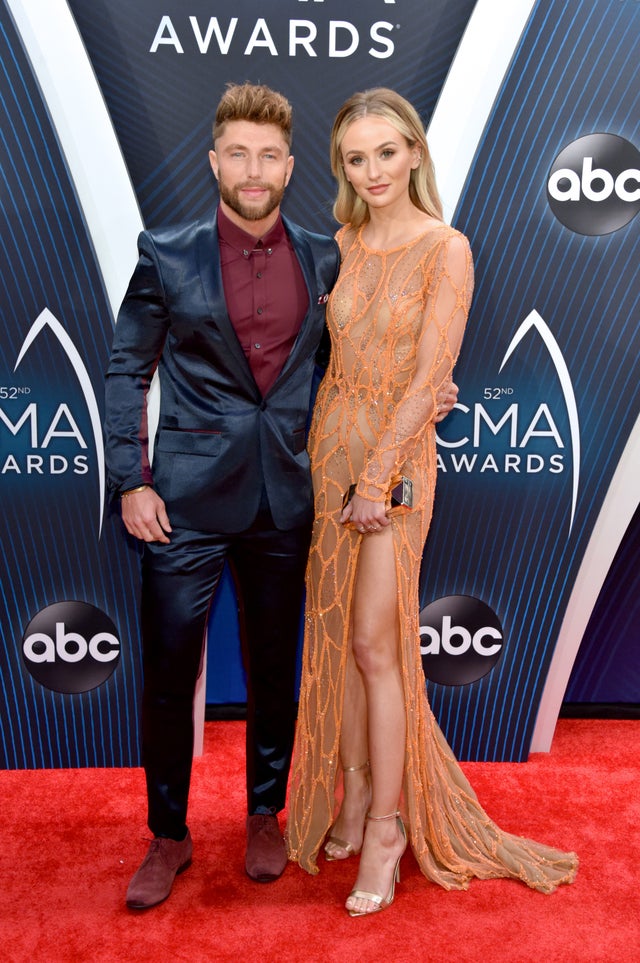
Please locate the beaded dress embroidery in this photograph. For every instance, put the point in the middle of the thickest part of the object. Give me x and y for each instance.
(374, 419)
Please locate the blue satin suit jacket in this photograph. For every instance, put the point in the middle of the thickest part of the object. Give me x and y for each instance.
(218, 440)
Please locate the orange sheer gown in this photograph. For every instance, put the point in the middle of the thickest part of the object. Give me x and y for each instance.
(373, 419)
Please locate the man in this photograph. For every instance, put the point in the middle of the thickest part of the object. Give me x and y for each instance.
(230, 309)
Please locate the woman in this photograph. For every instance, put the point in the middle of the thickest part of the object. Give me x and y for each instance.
(396, 317)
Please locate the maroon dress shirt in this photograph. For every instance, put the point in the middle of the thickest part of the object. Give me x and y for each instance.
(266, 295)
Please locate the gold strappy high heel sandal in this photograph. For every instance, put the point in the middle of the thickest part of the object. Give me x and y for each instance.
(348, 847)
(382, 902)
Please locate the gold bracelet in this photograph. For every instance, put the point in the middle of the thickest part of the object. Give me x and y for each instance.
(132, 491)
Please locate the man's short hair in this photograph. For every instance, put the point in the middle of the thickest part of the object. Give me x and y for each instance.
(255, 103)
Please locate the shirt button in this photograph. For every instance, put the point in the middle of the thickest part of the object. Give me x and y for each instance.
(256, 345)
(269, 250)
(259, 274)
(245, 254)
(259, 310)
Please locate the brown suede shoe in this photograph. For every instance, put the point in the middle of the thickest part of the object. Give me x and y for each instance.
(266, 855)
(154, 879)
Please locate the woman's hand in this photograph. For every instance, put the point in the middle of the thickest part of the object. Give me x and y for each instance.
(365, 515)
(446, 398)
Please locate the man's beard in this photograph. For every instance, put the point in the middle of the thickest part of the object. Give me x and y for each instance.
(231, 197)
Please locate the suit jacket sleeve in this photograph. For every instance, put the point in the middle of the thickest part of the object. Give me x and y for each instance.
(139, 338)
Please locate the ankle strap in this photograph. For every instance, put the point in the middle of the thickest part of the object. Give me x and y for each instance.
(388, 816)
(365, 765)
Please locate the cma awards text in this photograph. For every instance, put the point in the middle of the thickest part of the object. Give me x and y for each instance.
(499, 443)
(30, 432)
(335, 39)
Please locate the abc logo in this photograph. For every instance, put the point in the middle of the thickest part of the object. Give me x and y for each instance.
(71, 647)
(594, 184)
(460, 640)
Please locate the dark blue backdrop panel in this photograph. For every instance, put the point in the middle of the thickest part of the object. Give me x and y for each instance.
(607, 668)
(51, 549)
(226, 679)
(518, 544)
(513, 546)
(162, 104)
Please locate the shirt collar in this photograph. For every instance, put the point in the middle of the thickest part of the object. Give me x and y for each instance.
(243, 242)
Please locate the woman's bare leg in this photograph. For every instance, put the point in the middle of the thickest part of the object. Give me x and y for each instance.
(375, 647)
(354, 756)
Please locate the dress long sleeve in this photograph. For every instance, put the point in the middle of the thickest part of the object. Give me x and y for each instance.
(448, 283)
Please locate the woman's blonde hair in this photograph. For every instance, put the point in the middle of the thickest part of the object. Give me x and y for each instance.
(382, 102)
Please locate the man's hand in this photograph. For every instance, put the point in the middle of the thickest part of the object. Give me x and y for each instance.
(145, 516)
(446, 399)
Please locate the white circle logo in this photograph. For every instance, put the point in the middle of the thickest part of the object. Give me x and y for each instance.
(71, 647)
(594, 184)
(461, 640)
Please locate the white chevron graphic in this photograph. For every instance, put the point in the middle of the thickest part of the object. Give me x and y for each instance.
(535, 322)
(47, 319)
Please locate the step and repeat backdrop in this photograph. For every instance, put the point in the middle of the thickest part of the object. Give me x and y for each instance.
(529, 587)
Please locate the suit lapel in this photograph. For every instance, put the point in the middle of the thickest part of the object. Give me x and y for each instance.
(208, 255)
(307, 328)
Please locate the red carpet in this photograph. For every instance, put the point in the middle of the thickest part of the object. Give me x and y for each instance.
(72, 839)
